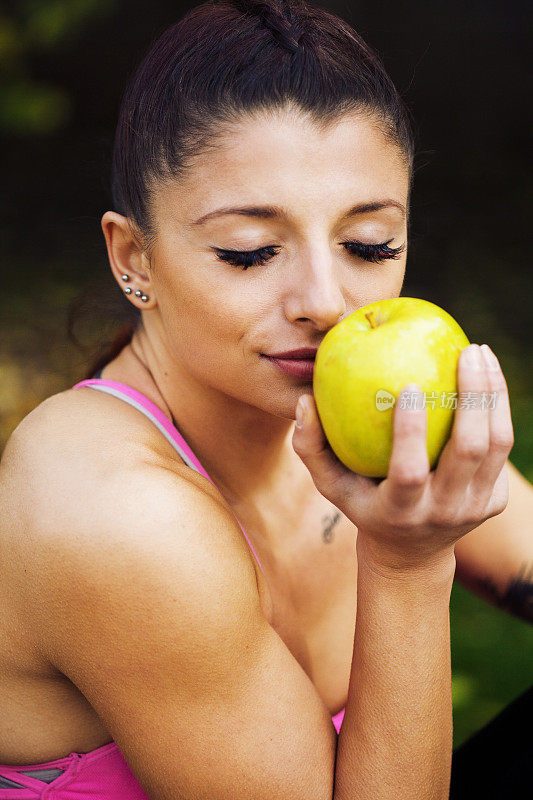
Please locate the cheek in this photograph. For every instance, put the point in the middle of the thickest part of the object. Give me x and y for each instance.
(396, 278)
(206, 319)
(376, 282)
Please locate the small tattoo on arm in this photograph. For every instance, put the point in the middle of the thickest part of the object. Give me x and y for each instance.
(517, 598)
(329, 521)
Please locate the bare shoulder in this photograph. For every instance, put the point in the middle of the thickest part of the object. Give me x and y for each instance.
(86, 476)
(78, 437)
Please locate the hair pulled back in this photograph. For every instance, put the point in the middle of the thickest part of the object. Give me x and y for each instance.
(280, 17)
(225, 58)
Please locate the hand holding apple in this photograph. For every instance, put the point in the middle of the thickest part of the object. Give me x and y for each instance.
(413, 517)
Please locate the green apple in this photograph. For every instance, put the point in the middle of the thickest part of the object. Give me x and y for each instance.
(365, 361)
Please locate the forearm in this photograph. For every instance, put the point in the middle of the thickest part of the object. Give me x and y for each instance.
(396, 738)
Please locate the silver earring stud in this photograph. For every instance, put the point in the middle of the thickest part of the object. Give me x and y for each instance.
(138, 293)
(127, 290)
(144, 298)
(125, 278)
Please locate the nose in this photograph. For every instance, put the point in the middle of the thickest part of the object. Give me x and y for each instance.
(315, 295)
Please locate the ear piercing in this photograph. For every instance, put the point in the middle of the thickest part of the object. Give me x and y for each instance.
(138, 293)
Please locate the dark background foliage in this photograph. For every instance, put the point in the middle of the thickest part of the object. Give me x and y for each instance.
(464, 70)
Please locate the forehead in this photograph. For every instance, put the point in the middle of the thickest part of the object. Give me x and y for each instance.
(283, 157)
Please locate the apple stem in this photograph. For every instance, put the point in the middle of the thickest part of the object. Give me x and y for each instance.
(370, 317)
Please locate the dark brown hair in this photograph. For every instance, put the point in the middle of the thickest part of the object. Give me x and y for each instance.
(226, 58)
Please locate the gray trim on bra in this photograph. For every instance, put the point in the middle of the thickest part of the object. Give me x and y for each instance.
(45, 775)
(121, 396)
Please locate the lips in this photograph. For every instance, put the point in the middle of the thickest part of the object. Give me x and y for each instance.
(294, 364)
(304, 353)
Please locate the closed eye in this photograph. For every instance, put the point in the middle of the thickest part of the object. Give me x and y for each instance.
(246, 258)
(251, 258)
(374, 252)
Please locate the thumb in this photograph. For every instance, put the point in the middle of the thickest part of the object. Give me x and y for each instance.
(309, 442)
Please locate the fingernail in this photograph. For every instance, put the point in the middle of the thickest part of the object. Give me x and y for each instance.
(491, 361)
(474, 358)
(300, 414)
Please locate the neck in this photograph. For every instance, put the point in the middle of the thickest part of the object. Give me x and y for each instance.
(246, 451)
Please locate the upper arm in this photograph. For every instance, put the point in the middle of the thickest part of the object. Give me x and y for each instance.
(501, 548)
(144, 596)
(502, 540)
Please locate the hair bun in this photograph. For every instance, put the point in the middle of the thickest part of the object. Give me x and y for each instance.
(278, 16)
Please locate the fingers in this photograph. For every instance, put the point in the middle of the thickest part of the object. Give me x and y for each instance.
(499, 497)
(409, 463)
(501, 438)
(332, 479)
(469, 442)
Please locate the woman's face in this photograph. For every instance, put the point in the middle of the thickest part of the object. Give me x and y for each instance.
(298, 185)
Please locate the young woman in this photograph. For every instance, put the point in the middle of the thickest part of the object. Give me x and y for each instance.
(182, 563)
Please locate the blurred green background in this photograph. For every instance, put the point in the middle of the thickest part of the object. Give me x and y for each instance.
(464, 71)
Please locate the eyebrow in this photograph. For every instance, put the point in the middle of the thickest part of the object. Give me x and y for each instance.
(271, 212)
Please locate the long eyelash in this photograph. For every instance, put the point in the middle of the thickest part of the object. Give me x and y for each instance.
(247, 258)
(374, 252)
(251, 258)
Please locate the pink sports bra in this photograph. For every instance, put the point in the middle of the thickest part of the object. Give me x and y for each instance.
(101, 774)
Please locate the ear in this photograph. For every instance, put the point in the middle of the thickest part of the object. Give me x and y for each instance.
(127, 258)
